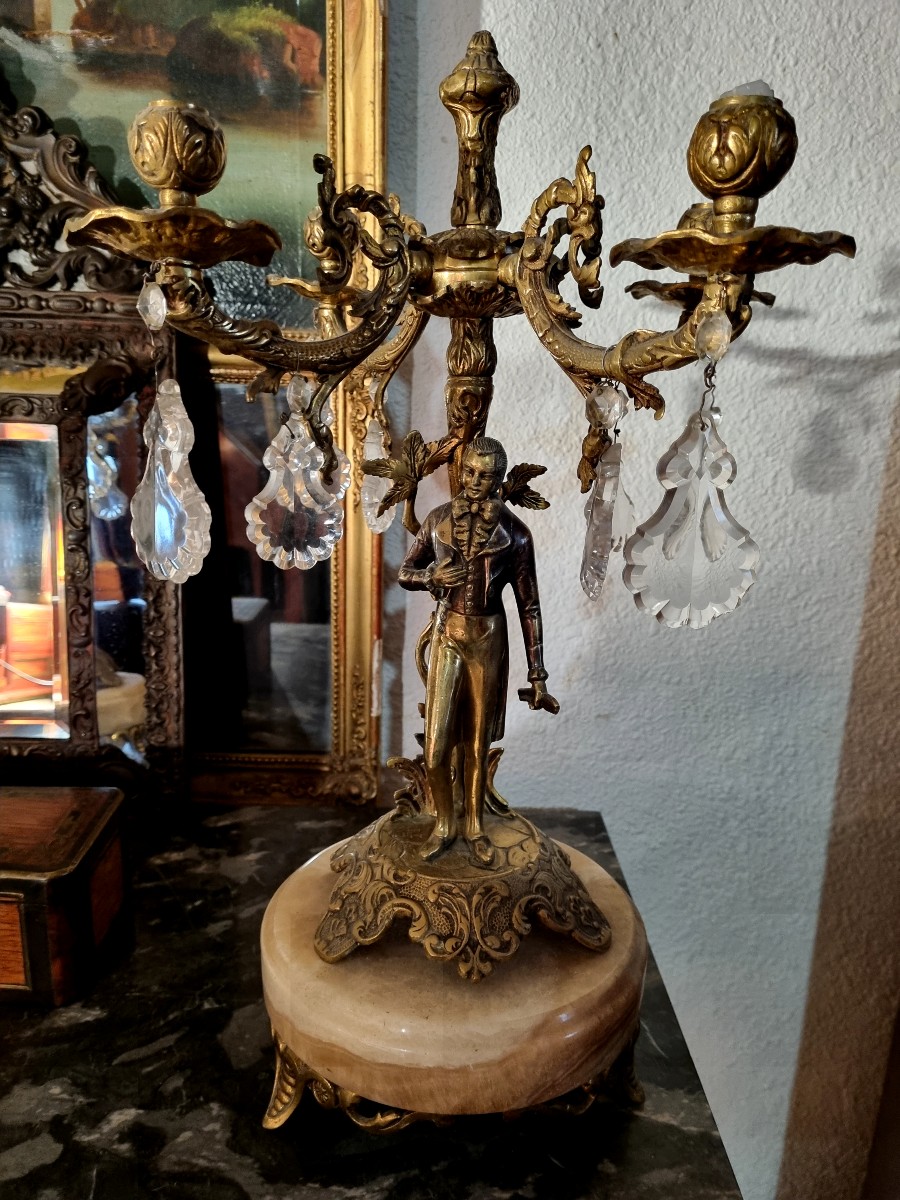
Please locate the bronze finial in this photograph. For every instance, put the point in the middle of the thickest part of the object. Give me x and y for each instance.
(478, 92)
(178, 148)
(740, 149)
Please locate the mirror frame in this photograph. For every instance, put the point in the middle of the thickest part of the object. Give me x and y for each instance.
(71, 345)
(102, 387)
(356, 82)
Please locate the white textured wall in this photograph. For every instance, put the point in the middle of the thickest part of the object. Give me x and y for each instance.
(713, 754)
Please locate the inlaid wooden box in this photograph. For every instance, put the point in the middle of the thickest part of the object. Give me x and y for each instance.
(62, 887)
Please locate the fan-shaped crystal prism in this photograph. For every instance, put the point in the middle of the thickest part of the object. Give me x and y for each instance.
(170, 519)
(374, 488)
(692, 562)
(610, 519)
(321, 492)
(299, 393)
(297, 519)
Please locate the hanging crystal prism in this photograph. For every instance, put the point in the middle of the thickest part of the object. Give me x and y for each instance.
(170, 519)
(692, 562)
(610, 519)
(605, 406)
(285, 523)
(713, 336)
(297, 519)
(299, 394)
(374, 487)
(320, 492)
(107, 499)
(151, 305)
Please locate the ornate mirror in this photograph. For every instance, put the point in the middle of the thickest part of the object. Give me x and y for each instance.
(89, 644)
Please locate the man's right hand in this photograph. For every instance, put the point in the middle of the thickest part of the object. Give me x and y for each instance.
(448, 574)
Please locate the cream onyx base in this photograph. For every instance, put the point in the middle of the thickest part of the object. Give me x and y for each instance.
(391, 1036)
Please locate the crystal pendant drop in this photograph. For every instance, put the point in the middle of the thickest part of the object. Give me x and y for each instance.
(299, 393)
(152, 305)
(623, 521)
(374, 487)
(295, 521)
(692, 562)
(605, 406)
(713, 336)
(170, 519)
(320, 492)
(107, 499)
(610, 518)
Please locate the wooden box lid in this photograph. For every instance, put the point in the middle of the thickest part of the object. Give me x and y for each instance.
(45, 831)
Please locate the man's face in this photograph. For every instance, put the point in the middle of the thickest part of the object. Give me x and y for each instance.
(480, 477)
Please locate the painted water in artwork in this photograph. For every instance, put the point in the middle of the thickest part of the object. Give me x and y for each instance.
(258, 67)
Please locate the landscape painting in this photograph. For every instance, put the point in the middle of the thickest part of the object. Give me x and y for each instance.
(258, 67)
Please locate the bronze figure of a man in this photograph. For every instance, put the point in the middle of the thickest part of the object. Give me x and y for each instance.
(465, 554)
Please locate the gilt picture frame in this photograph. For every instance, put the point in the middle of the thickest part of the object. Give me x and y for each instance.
(348, 769)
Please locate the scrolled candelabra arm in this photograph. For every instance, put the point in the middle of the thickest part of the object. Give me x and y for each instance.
(583, 224)
(179, 149)
(538, 269)
(337, 238)
(741, 148)
(644, 351)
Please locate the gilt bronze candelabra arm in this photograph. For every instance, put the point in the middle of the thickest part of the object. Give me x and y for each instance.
(180, 150)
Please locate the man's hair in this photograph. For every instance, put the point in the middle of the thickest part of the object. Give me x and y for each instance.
(489, 448)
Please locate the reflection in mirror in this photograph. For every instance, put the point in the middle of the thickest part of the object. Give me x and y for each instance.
(34, 685)
(281, 618)
(113, 455)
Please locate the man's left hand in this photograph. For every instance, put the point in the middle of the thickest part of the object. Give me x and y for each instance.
(536, 696)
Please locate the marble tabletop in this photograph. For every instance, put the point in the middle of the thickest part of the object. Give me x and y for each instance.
(154, 1085)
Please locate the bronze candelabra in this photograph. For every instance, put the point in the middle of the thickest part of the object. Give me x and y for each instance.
(453, 858)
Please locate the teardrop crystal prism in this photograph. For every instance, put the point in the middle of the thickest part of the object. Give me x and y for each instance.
(609, 512)
(692, 562)
(170, 519)
(374, 487)
(152, 305)
(713, 337)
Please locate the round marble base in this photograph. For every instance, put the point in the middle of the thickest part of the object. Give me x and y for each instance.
(404, 1031)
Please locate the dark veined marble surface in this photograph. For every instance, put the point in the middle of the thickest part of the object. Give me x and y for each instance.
(154, 1085)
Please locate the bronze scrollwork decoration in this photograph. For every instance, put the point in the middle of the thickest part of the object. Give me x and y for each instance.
(471, 274)
(293, 1078)
(474, 272)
